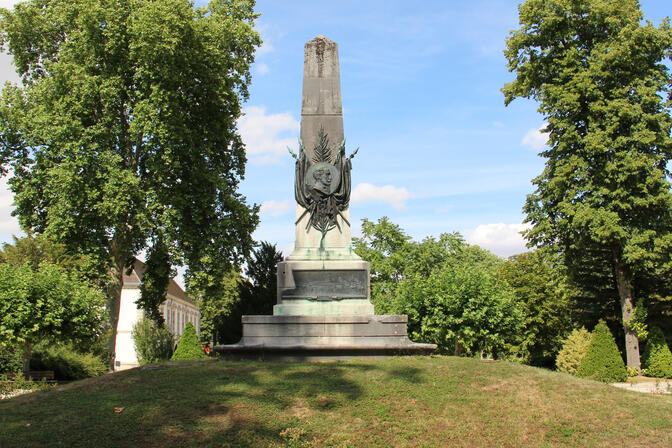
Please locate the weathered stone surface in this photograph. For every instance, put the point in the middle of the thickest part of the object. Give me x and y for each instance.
(321, 110)
(320, 337)
(321, 103)
(324, 297)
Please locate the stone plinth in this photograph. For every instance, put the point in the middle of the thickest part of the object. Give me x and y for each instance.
(323, 337)
(323, 287)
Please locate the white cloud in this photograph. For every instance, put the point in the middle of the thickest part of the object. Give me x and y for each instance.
(7, 69)
(287, 249)
(9, 225)
(498, 124)
(262, 68)
(501, 239)
(266, 47)
(275, 208)
(387, 193)
(8, 4)
(535, 138)
(267, 136)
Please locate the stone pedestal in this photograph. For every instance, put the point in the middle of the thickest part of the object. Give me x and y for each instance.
(324, 337)
(323, 287)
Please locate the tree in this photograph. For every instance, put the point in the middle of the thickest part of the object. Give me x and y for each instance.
(37, 249)
(46, 304)
(603, 361)
(449, 289)
(221, 315)
(603, 199)
(657, 356)
(542, 289)
(260, 292)
(574, 349)
(123, 135)
(463, 309)
(385, 246)
(188, 347)
(153, 342)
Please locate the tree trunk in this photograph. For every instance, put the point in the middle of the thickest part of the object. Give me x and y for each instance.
(26, 356)
(624, 283)
(113, 306)
(458, 348)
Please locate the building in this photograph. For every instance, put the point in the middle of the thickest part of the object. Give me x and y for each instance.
(177, 310)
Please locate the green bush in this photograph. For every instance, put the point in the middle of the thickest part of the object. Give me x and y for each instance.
(11, 359)
(66, 362)
(153, 342)
(189, 346)
(657, 359)
(574, 349)
(603, 361)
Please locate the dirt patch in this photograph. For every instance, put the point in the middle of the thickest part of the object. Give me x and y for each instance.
(647, 387)
(300, 409)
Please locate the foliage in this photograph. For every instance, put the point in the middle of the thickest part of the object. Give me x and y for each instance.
(259, 293)
(637, 322)
(603, 361)
(11, 384)
(574, 349)
(122, 136)
(47, 304)
(603, 199)
(393, 257)
(153, 288)
(189, 347)
(254, 295)
(385, 246)
(541, 287)
(462, 308)
(153, 341)
(657, 359)
(11, 359)
(66, 362)
(36, 250)
(449, 289)
(220, 316)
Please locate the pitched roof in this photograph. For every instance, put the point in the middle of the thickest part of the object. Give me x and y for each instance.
(135, 278)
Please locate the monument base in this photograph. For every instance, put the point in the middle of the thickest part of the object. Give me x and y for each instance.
(323, 337)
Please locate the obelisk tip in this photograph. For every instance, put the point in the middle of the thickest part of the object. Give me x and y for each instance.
(321, 38)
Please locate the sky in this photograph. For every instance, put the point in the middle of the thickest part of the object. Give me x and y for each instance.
(420, 82)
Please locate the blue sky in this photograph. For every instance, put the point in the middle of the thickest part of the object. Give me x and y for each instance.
(420, 83)
(439, 151)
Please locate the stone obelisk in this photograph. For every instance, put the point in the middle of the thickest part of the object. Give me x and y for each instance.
(324, 306)
(322, 115)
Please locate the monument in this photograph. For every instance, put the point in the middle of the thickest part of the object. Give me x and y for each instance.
(324, 307)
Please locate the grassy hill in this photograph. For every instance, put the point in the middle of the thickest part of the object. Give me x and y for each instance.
(424, 402)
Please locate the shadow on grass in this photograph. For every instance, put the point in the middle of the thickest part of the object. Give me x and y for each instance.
(213, 403)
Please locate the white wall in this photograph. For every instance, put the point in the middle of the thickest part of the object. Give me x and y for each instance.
(175, 312)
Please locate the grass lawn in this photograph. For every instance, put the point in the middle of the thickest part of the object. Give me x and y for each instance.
(399, 402)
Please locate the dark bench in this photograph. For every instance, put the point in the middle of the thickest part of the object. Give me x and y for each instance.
(37, 375)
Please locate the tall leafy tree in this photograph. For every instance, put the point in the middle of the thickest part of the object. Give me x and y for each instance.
(260, 292)
(254, 295)
(220, 315)
(449, 289)
(122, 136)
(46, 304)
(546, 296)
(603, 198)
